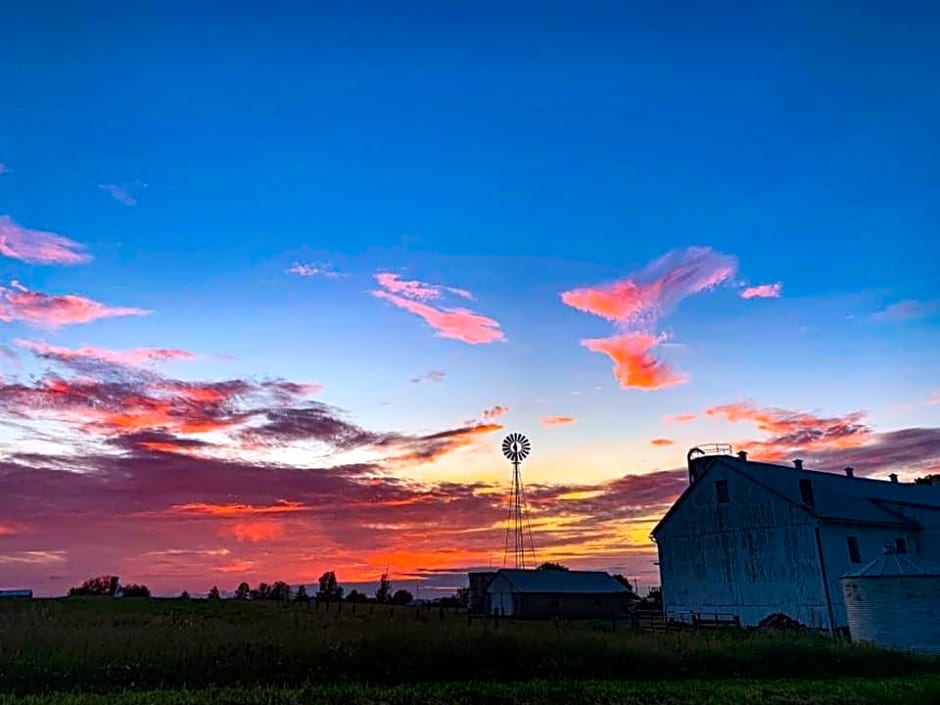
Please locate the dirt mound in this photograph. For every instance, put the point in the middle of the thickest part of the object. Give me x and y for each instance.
(778, 620)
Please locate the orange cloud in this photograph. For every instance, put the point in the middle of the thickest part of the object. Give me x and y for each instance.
(550, 421)
(792, 431)
(495, 412)
(455, 323)
(18, 303)
(282, 506)
(762, 291)
(633, 365)
(654, 291)
(38, 246)
(255, 531)
(637, 302)
(679, 418)
(135, 356)
(662, 442)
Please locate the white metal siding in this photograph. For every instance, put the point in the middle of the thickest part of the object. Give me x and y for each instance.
(894, 612)
(753, 556)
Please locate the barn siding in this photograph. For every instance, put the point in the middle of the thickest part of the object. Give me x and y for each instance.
(871, 541)
(751, 557)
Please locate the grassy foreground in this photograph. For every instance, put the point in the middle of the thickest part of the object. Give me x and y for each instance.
(196, 651)
(912, 691)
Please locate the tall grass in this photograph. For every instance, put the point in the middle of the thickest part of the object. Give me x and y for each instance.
(102, 644)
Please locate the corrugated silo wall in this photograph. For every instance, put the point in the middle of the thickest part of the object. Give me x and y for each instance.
(894, 612)
(751, 557)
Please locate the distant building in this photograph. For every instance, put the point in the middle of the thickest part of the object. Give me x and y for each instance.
(16, 594)
(752, 539)
(545, 594)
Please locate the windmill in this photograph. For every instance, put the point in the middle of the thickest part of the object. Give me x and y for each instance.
(516, 448)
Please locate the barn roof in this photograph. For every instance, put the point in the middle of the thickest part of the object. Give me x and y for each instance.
(837, 497)
(564, 581)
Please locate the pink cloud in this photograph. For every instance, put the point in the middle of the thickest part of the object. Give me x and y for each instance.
(762, 291)
(550, 421)
(679, 418)
(38, 246)
(648, 295)
(17, 303)
(633, 364)
(134, 357)
(636, 304)
(662, 442)
(414, 289)
(495, 412)
(456, 323)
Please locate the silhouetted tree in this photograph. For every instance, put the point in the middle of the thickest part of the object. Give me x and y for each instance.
(301, 594)
(262, 592)
(384, 593)
(402, 597)
(214, 593)
(928, 480)
(99, 586)
(135, 590)
(330, 590)
(462, 596)
(242, 592)
(548, 565)
(184, 595)
(356, 596)
(626, 583)
(279, 591)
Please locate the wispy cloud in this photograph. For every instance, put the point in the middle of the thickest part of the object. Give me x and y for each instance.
(662, 442)
(762, 291)
(907, 309)
(313, 270)
(636, 303)
(935, 397)
(550, 421)
(414, 289)
(455, 323)
(38, 246)
(122, 193)
(494, 412)
(679, 418)
(3, 168)
(17, 303)
(430, 376)
(135, 356)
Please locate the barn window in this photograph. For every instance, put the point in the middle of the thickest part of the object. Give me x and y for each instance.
(854, 555)
(806, 492)
(900, 544)
(721, 491)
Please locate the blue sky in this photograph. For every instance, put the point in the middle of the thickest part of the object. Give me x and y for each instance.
(517, 152)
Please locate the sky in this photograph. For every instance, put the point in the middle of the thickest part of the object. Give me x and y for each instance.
(276, 279)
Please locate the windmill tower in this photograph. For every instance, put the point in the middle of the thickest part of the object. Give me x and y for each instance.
(516, 448)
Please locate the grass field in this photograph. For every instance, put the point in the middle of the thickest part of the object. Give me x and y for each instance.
(197, 651)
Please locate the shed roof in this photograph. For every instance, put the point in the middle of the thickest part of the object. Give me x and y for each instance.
(895, 565)
(836, 496)
(564, 581)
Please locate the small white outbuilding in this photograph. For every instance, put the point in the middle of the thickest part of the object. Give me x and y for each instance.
(894, 602)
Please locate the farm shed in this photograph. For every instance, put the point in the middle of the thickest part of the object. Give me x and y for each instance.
(753, 539)
(7, 594)
(544, 594)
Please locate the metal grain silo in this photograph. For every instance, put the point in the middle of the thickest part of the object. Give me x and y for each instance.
(893, 602)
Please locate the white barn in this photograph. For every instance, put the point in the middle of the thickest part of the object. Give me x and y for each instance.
(752, 539)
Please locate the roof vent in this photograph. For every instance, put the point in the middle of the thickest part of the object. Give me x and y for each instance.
(850, 472)
(742, 454)
(798, 464)
(894, 478)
